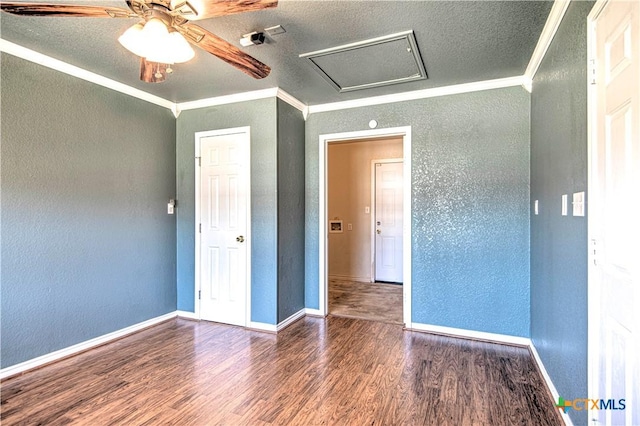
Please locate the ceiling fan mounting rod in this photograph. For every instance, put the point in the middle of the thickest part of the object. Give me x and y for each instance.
(159, 12)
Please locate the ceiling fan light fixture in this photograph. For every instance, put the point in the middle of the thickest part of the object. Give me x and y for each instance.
(132, 40)
(179, 47)
(154, 42)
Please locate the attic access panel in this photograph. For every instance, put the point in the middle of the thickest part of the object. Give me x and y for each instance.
(370, 63)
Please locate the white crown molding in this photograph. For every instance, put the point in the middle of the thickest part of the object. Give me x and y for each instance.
(546, 37)
(299, 105)
(421, 94)
(49, 62)
(81, 347)
(229, 99)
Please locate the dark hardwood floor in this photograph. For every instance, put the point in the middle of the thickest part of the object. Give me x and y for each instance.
(371, 301)
(337, 371)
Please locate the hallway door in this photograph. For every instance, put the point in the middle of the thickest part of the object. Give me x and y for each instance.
(388, 221)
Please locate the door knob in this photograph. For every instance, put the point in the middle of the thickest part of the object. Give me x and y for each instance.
(378, 231)
(240, 239)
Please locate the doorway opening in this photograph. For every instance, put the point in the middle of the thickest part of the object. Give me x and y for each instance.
(365, 253)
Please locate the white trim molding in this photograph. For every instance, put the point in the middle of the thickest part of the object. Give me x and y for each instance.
(547, 379)
(175, 108)
(228, 99)
(55, 64)
(421, 94)
(293, 318)
(263, 326)
(556, 14)
(310, 312)
(187, 315)
(471, 334)
(299, 105)
(82, 346)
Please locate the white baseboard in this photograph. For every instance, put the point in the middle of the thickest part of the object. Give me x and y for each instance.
(314, 313)
(350, 278)
(471, 334)
(187, 315)
(81, 347)
(547, 379)
(293, 318)
(261, 326)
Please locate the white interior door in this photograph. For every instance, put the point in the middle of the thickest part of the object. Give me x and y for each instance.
(224, 188)
(614, 217)
(388, 221)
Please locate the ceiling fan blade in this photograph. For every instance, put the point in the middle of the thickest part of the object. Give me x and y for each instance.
(65, 10)
(224, 50)
(152, 72)
(212, 8)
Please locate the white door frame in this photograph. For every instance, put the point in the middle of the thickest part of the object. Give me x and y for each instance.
(592, 303)
(197, 284)
(405, 133)
(373, 211)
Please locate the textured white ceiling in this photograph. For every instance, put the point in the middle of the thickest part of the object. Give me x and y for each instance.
(460, 42)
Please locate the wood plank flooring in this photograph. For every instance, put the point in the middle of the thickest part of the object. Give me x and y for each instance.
(334, 371)
(371, 301)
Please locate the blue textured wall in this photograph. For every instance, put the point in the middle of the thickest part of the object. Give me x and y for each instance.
(261, 117)
(87, 246)
(470, 218)
(290, 210)
(559, 244)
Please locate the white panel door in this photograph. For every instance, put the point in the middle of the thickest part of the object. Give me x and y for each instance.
(388, 221)
(223, 218)
(615, 232)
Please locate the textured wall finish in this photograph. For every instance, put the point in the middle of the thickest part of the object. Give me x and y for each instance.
(87, 246)
(470, 218)
(290, 210)
(261, 117)
(559, 244)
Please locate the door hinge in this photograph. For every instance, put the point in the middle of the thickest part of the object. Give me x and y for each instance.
(199, 161)
(592, 71)
(200, 228)
(199, 294)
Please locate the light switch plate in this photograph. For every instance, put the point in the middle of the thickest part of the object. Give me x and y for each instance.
(578, 203)
(535, 207)
(564, 204)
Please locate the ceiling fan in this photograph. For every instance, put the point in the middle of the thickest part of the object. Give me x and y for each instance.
(162, 36)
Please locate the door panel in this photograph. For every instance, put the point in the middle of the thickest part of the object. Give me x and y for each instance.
(224, 192)
(615, 180)
(388, 219)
